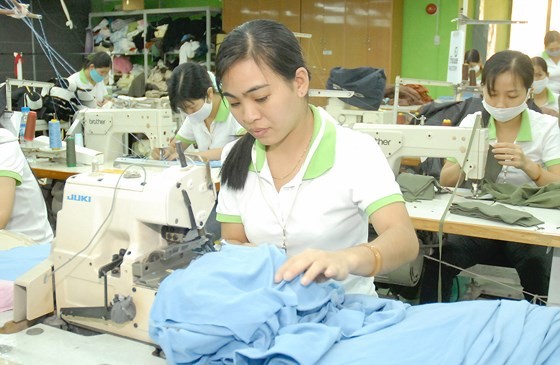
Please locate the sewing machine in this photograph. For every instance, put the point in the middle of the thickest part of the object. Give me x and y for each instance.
(346, 114)
(118, 236)
(398, 141)
(107, 130)
(39, 148)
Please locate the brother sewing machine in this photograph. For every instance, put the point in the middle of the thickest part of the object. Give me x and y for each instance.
(119, 234)
(469, 146)
(107, 130)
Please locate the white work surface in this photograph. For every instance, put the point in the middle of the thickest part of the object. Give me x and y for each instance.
(426, 215)
(45, 345)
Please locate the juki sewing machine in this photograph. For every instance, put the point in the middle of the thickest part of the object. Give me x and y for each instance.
(469, 146)
(107, 130)
(118, 236)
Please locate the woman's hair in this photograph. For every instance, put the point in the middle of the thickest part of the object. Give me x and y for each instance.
(551, 36)
(519, 64)
(270, 44)
(98, 60)
(539, 61)
(472, 55)
(189, 81)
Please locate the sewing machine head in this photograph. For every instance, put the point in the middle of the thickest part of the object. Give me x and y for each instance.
(107, 130)
(118, 236)
(468, 146)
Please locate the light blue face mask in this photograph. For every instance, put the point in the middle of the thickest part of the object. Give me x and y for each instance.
(95, 76)
(553, 53)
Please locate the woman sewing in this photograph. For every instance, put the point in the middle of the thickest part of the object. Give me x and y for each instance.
(89, 81)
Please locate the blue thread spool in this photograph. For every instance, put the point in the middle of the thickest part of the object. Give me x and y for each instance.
(55, 140)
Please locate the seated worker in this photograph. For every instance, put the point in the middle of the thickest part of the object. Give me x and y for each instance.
(22, 206)
(208, 122)
(472, 58)
(545, 98)
(527, 145)
(294, 180)
(89, 81)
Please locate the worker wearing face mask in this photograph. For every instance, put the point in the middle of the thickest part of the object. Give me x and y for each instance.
(551, 55)
(544, 98)
(208, 122)
(527, 146)
(89, 81)
(472, 59)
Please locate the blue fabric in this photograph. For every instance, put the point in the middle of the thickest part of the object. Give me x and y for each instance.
(225, 309)
(16, 261)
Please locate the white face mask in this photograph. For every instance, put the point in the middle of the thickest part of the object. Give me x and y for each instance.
(475, 68)
(202, 113)
(539, 85)
(505, 114)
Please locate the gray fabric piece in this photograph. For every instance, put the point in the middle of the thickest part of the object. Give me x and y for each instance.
(495, 212)
(416, 187)
(547, 196)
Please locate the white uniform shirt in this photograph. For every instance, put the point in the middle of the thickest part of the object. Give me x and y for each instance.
(97, 91)
(343, 180)
(539, 137)
(223, 130)
(553, 73)
(552, 100)
(29, 215)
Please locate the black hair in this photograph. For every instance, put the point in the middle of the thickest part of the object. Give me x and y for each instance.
(98, 60)
(189, 81)
(472, 55)
(539, 61)
(507, 61)
(551, 36)
(269, 43)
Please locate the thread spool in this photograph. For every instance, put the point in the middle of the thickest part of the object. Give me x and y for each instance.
(55, 140)
(30, 126)
(70, 152)
(79, 139)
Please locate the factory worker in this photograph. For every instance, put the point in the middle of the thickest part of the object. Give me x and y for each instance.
(551, 55)
(294, 180)
(472, 58)
(208, 123)
(527, 145)
(22, 206)
(543, 97)
(88, 83)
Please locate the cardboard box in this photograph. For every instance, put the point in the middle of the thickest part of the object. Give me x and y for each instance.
(132, 4)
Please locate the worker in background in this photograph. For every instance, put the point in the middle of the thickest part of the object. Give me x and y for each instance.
(527, 145)
(22, 206)
(294, 180)
(208, 123)
(472, 59)
(551, 55)
(89, 81)
(545, 98)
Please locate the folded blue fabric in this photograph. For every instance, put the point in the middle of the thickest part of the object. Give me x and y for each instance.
(225, 309)
(16, 261)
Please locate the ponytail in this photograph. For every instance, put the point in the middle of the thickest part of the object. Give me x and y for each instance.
(236, 166)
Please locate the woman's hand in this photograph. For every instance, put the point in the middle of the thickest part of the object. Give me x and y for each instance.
(316, 265)
(510, 154)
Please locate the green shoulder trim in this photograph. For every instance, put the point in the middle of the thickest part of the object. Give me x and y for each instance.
(225, 218)
(373, 207)
(550, 163)
(14, 175)
(184, 140)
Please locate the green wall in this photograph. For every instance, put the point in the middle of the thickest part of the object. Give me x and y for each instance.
(421, 58)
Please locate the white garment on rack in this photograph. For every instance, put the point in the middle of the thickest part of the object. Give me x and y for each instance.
(187, 51)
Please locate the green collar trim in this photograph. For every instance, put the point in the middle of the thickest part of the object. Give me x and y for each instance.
(550, 97)
(223, 112)
(524, 134)
(323, 158)
(545, 55)
(83, 77)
